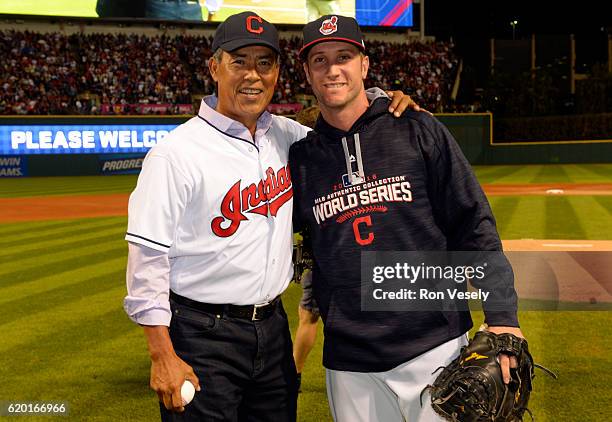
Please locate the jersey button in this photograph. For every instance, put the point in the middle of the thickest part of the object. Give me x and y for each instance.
(250, 149)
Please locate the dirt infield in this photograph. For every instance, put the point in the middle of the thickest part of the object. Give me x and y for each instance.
(37, 208)
(548, 189)
(557, 245)
(577, 271)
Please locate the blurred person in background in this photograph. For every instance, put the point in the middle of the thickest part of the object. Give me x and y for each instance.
(317, 8)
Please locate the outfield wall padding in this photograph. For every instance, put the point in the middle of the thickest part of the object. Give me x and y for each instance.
(474, 133)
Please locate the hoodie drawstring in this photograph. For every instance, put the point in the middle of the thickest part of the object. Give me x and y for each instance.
(359, 175)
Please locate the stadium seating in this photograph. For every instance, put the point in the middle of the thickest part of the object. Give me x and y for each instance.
(57, 74)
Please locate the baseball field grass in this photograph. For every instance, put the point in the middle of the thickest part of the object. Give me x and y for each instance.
(67, 339)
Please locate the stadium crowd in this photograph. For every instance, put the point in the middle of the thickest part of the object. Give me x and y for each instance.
(53, 73)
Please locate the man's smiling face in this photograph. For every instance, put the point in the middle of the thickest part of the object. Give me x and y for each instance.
(336, 71)
(245, 82)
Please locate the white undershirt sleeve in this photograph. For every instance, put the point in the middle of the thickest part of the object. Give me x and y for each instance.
(148, 286)
(157, 204)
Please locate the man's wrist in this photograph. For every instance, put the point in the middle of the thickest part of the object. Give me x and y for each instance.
(160, 345)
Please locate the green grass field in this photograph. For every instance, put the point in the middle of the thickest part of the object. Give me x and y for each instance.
(66, 337)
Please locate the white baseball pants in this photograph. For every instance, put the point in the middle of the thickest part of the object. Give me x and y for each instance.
(391, 396)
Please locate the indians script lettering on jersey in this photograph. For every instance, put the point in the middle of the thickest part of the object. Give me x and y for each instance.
(364, 198)
(267, 197)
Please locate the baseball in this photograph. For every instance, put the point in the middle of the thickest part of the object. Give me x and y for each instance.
(187, 392)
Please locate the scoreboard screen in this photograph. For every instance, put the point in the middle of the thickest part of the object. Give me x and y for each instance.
(367, 12)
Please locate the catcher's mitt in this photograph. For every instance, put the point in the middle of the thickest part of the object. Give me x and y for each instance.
(472, 389)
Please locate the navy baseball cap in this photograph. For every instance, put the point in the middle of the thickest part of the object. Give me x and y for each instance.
(244, 29)
(331, 28)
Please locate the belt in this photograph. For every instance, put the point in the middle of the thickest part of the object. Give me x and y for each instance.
(252, 312)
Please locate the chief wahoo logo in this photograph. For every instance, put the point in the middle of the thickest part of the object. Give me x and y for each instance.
(329, 26)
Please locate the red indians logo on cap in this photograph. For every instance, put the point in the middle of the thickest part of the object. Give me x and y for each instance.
(329, 26)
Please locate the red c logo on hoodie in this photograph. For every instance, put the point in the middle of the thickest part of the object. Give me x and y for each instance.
(367, 220)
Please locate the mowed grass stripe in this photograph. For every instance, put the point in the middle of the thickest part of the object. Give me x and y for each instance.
(10, 231)
(524, 174)
(36, 186)
(86, 318)
(54, 250)
(35, 253)
(593, 215)
(525, 221)
(582, 174)
(17, 229)
(105, 380)
(566, 217)
(116, 362)
(605, 202)
(552, 173)
(47, 282)
(62, 234)
(576, 346)
(108, 386)
(490, 174)
(63, 294)
(601, 171)
(505, 207)
(21, 275)
(562, 222)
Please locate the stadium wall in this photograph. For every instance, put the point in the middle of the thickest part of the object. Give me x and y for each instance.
(472, 131)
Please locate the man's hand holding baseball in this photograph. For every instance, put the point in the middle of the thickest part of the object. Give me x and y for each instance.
(168, 371)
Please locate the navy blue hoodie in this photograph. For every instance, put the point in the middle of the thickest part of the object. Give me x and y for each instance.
(416, 191)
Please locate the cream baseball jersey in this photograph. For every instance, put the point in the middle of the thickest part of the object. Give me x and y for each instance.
(220, 204)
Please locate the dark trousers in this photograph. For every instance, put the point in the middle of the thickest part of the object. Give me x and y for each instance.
(246, 368)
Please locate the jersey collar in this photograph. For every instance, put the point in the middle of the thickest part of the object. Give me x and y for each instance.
(231, 126)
